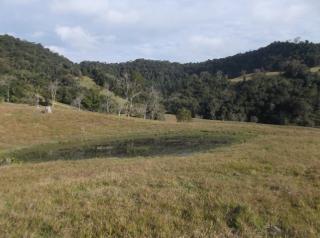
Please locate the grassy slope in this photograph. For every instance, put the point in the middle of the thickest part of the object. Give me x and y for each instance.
(272, 180)
(315, 69)
(21, 125)
(249, 76)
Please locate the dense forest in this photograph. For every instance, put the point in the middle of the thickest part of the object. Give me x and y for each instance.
(29, 73)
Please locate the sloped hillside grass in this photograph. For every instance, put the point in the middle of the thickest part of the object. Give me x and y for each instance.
(251, 76)
(22, 125)
(266, 185)
(268, 74)
(315, 69)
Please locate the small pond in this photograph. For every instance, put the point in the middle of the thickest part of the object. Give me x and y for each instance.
(180, 145)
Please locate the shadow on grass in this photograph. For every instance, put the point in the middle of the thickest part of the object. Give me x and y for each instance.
(180, 145)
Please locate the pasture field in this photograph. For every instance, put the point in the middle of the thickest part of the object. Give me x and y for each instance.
(250, 76)
(83, 174)
(270, 74)
(315, 69)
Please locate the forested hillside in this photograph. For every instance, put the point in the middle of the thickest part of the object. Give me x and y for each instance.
(32, 74)
(162, 74)
(35, 61)
(270, 58)
(27, 69)
(291, 96)
(29, 73)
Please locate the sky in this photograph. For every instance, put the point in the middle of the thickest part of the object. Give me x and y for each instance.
(174, 30)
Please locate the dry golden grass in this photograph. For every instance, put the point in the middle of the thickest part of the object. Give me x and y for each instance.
(22, 125)
(250, 76)
(269, 184)
(315, 69)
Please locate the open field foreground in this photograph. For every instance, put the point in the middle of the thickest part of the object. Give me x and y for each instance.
(157, 179)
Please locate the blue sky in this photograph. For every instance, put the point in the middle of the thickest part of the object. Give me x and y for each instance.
(175, 30)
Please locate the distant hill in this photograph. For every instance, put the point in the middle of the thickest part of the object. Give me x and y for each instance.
(270, 58)
(37, 65)
(32, 61)
(30, 67)
(215, 89)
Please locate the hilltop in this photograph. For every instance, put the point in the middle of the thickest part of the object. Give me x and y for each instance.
(33, 64)
(29, 59)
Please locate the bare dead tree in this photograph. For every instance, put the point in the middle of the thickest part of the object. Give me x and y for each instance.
(108, 104)
(120, 105)
(125, 81)
(108, 97)
(244, 75)
(37, 97)
(297, 40)
(144, 110)
(132, 87)
(154, 102)
(53, 88)
(77, 102)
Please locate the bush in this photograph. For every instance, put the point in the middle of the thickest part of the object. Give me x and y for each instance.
(254, 119)
(183, 115)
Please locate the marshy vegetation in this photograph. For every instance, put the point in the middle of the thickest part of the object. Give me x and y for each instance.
(157, 145)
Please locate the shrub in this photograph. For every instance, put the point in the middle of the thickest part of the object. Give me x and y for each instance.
(254, 119)
(183, 115)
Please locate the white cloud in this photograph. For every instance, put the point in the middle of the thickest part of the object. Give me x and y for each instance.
(287, 12)
(177, 30)
(102, 10)
(84, 7)
(56, 49)
(18, 2)
(37, 34)
(76, 37)
(117, 17)
(200, 41)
